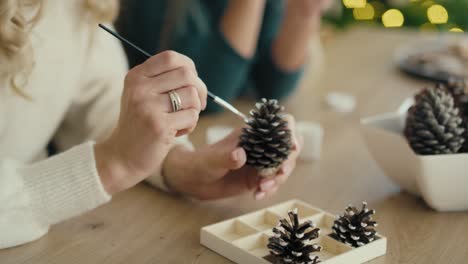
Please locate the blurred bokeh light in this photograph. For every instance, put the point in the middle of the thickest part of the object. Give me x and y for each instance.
(354, 3)
(393, 18)
(425, 15)
(365, 13)
(456, 29)
(437, 14)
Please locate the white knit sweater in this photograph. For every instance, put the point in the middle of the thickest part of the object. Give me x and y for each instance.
(75, 89)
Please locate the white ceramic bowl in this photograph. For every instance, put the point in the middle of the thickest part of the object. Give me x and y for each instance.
(441, 180)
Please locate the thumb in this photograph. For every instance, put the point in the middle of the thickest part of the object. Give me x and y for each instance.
(226, 154)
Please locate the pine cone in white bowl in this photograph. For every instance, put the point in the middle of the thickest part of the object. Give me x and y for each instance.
(441, 180)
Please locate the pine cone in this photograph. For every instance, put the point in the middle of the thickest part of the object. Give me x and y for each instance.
(456, 86)
(355, 228)
(291, 242)
(459, 89)
(267, 140)
(434, 125)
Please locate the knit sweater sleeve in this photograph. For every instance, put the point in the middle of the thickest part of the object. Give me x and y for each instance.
(35, 196)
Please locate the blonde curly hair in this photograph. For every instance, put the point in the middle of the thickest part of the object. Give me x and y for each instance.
(16, 60)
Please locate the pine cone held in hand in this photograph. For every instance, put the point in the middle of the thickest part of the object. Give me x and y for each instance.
(291, 242)
(434, 125)
(267, 140)
(355, 228)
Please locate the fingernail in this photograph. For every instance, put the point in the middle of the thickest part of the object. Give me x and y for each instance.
(260, 196)
(267, 185)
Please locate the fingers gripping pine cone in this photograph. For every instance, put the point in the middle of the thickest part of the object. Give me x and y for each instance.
(291, 242)
(434, 124)
(355, 228)
(267, 139)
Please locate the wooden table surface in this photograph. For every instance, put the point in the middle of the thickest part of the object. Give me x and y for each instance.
(143, 225)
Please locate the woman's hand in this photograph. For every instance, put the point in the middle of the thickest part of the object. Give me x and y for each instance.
(220, 170)
(147, 125)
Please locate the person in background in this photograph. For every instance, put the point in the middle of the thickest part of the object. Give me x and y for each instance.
(240, 47)
(64, 80)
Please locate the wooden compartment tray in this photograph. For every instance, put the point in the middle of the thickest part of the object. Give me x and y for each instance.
(243, 239)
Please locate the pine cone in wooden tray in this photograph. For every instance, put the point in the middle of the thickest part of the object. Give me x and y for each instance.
(434, 125)
(267, 140)
(250, 239)
(292, 241)
(355, 228)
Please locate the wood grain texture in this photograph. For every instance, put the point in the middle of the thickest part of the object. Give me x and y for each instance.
(143, 225)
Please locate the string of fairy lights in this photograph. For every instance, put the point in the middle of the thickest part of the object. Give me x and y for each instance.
(364, 10)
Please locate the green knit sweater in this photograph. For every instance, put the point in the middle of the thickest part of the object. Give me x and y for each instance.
(197, 35)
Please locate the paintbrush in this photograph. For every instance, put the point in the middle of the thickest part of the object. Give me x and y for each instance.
(213, 97)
